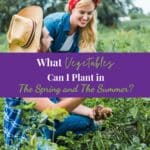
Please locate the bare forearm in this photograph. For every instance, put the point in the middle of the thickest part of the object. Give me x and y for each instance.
(44, 103)
(70, 103)
(84, 110)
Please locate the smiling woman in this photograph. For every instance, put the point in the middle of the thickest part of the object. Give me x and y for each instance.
(79, 21)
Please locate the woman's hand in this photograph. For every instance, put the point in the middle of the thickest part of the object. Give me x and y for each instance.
(101, 113)
(46, 41)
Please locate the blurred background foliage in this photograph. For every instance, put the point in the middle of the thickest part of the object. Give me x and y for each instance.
(108, 11)
(114, 17)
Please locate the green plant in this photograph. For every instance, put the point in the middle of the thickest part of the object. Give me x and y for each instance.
(3, 43)
(33, 121)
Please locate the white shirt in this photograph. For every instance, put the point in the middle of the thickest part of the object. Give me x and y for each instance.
(68, 43)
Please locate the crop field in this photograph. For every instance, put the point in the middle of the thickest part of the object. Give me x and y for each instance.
(127, 129)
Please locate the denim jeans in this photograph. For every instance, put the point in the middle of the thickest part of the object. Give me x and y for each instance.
(78, 124)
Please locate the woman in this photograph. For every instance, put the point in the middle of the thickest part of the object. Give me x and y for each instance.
(73, 31)
(69, 32)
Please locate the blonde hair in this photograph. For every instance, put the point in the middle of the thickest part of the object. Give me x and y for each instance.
(88, 33)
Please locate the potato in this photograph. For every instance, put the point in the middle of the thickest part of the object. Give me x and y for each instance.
(102, 113)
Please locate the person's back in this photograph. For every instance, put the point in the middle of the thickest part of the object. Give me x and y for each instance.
(58, 25)
(13, 125)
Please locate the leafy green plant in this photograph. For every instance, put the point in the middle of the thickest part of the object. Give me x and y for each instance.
(3, 43)
(127, 129)
(33, 121)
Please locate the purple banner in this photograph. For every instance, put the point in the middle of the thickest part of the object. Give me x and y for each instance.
(75, 75)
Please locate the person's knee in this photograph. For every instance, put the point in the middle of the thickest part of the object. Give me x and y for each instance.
(88, 124)
(79, 122)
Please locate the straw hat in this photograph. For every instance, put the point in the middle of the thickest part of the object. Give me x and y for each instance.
(25, 30)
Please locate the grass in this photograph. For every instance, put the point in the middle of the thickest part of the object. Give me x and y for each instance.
(130, 36)
(3, 43)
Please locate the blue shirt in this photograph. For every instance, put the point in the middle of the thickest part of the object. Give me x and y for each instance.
(58, 25)
(13, 132)
(14, 127)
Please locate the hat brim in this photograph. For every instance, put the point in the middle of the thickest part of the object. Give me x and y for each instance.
(36, 14)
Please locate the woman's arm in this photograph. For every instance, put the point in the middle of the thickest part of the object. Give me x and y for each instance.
(44, 103)
(82, 110)
(85, 111)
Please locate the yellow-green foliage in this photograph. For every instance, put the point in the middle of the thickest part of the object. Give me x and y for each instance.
(125, 38)
(56, 114)
(3, 43)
